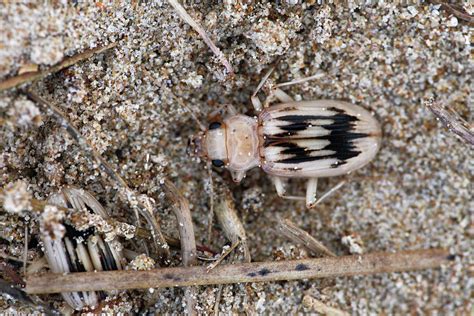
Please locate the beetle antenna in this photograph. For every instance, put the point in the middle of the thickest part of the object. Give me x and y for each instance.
(193, 115)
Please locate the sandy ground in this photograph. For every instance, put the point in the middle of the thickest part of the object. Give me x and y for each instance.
(390, 59)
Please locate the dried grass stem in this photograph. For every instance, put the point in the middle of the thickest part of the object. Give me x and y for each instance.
(381, 262)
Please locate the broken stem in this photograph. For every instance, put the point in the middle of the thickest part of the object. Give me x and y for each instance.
(381, 262)
(453, 121)
(67, 62)
(301, 237)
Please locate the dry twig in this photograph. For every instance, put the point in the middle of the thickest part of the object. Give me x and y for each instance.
(223, 256)
(453, 121)
(67, 62)
(144, 203)
(301, 237)
(381, 262)
(186, 235)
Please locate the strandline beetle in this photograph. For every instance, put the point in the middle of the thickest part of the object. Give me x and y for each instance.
(292, 139)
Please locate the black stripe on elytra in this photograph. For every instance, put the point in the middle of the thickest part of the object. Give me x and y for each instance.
(340, 138)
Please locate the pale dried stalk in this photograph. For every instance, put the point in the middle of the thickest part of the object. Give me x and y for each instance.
(143, 203)
(301, 237)
(381, 262)
(319, 307)
(186, 235)
(67, 62)
(198, 28)
(453, 121)
(231, 225)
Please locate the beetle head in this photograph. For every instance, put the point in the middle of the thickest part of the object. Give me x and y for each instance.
(211, 144)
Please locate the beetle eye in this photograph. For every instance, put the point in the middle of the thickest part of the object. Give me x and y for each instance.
(214, 125)
(217, 163)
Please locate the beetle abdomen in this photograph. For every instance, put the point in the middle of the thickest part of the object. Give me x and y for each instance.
(317, 138)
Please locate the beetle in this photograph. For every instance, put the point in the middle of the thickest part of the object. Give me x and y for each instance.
(304, 139)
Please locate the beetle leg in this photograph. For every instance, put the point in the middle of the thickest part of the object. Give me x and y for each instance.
(329, 192)
(311, 188)
(280, 184)
(282, 96)
(254, 99)
(256, 103)
(278, 94)
(237, 176)
(301, 80)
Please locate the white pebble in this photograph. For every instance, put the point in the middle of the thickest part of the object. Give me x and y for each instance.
(453, 22)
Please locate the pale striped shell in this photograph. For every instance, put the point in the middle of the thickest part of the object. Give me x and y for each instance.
(79, 250)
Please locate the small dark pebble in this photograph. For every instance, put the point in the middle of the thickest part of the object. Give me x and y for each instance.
(301, 267)
(451, 257)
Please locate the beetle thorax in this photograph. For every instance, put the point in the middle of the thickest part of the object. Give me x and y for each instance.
(235, 142)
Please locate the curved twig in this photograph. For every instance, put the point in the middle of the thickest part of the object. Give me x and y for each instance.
(186, 235)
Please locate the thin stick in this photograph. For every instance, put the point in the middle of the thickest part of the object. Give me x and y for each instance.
(453, 121)
(381, 262)
(25, 251)
(8, 257)
(223, 256)
(188, 19)
(68, 61)
(144, 203)
(301, 237)
(186, 235)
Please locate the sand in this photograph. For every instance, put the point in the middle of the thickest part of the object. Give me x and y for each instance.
(390, 59)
